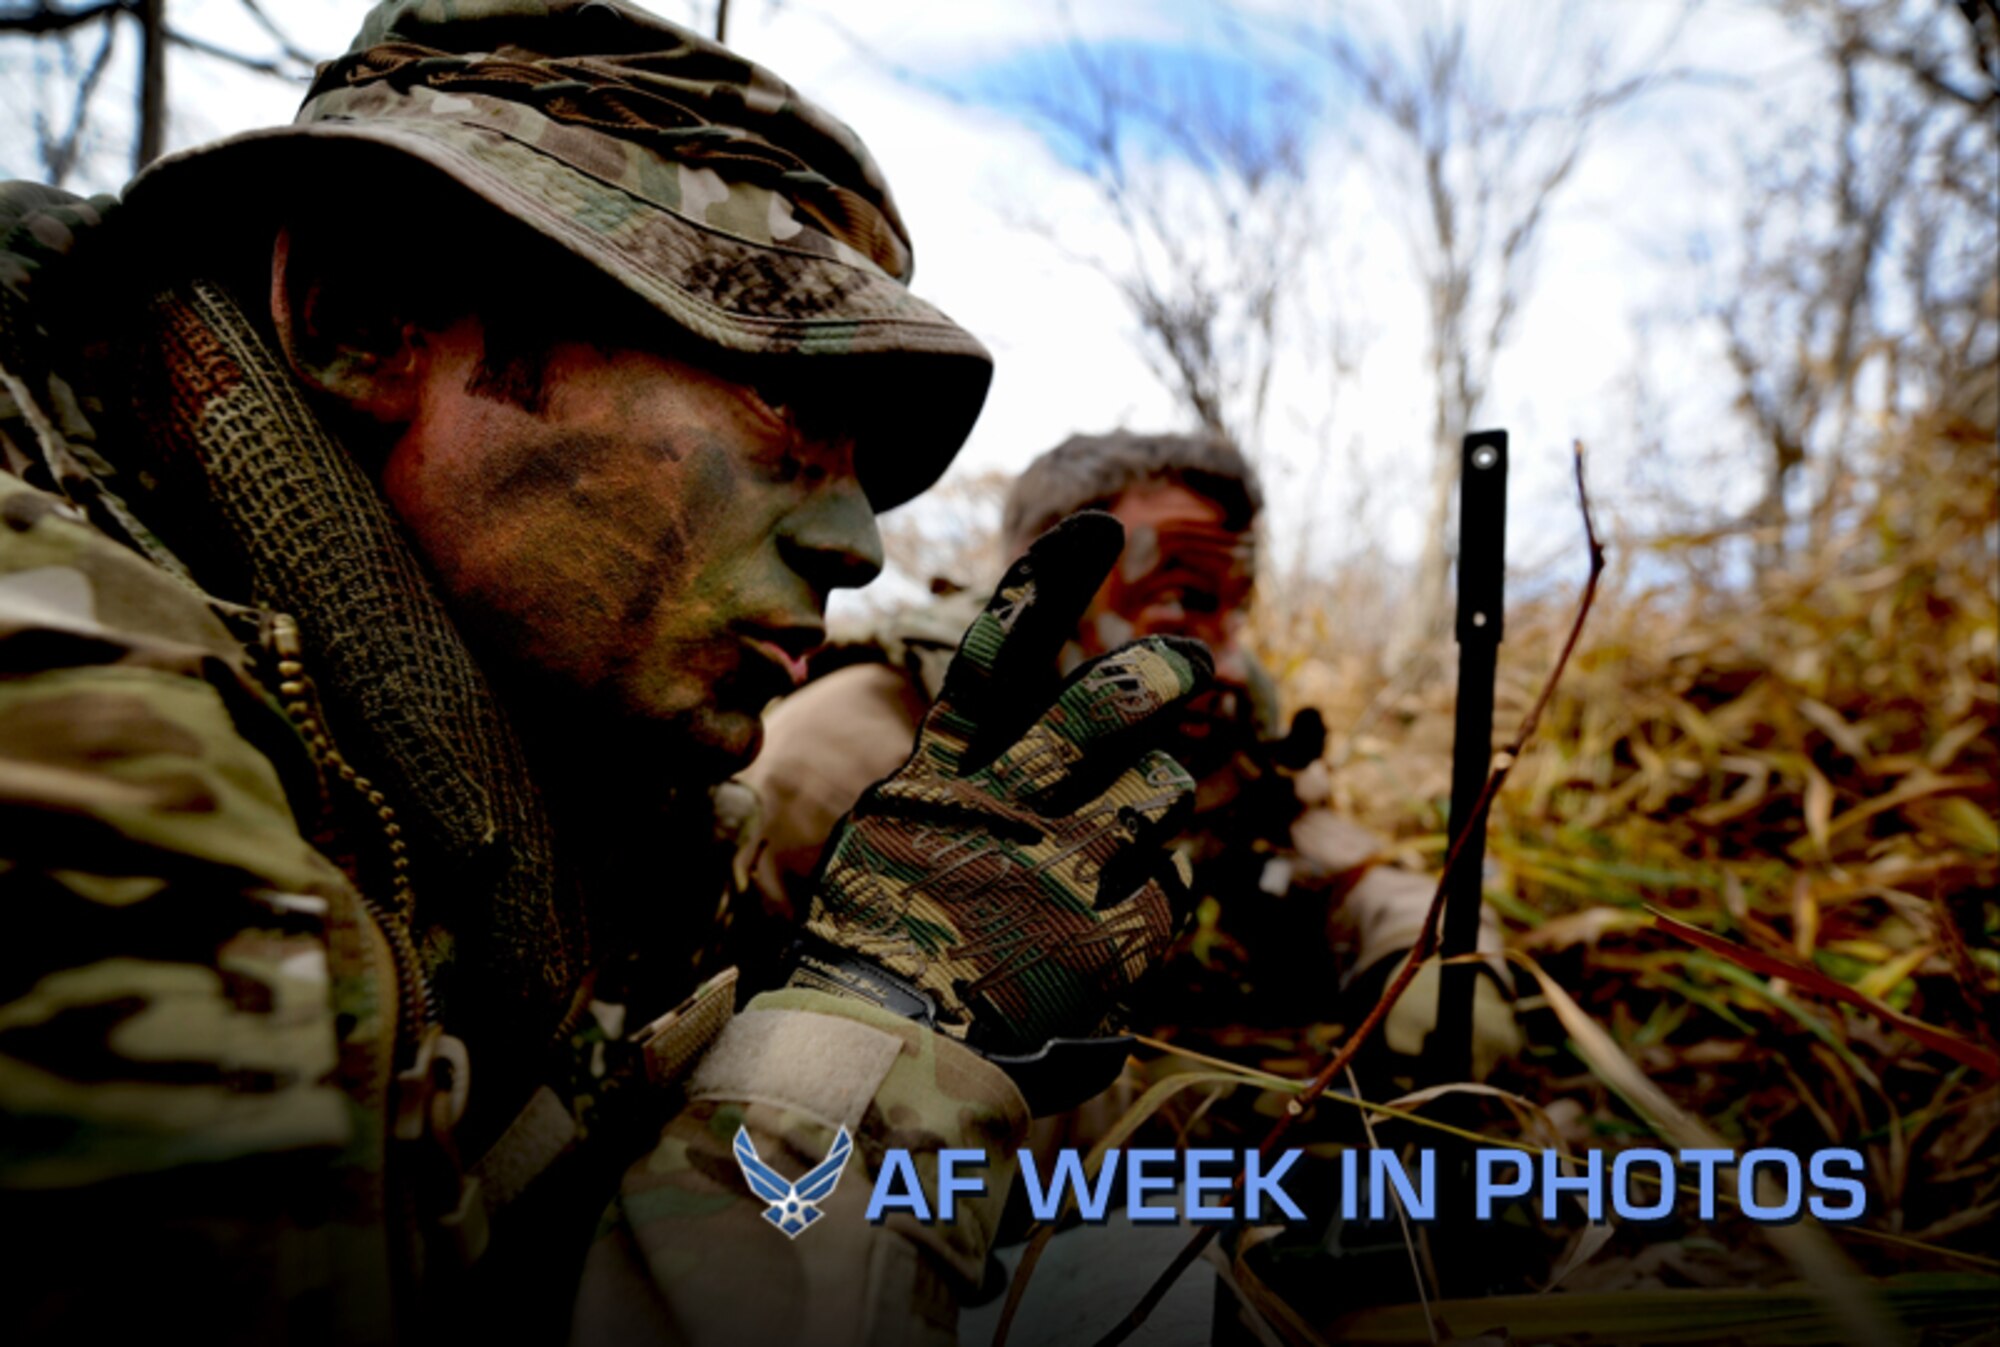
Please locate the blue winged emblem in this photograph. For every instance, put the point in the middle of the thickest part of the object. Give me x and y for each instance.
(793, 1206)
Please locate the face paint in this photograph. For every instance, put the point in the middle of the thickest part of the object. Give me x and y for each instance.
(646, 558)
(1110, 630)
(1141, 555)
(1183, 572)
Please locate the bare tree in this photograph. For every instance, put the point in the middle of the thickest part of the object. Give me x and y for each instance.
(1476, 132)
(58, 141)
(58, 148)
(152, 19)
(954, 542)
(1202, 165)
(1868, 246)
(1217, 173)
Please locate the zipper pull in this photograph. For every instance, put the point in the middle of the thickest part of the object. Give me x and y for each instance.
(430, 1099)
(431, 1092)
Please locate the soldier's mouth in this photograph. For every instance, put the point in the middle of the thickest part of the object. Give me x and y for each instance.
(788, 648)
(1208, 730)
(1215, 711)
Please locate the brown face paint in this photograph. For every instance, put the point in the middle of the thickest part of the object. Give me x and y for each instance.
(645, 555)
(1183, 572)
(1109, 630)
(1141, 554)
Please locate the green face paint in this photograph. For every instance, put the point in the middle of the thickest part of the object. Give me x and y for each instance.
(645, 558)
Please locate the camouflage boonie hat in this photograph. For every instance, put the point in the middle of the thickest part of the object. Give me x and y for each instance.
(693, 177)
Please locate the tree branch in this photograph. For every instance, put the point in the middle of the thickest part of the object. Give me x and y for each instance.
(59, 155)
(45, 18)
(258, 64)
(277, 35)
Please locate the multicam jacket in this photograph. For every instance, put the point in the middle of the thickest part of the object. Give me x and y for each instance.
(297, 1033)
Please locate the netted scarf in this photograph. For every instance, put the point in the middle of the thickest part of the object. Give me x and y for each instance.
(281, 510)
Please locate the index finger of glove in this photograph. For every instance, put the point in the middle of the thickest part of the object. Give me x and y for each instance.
(1007, 661)
(1106, 712)
(1151, 802)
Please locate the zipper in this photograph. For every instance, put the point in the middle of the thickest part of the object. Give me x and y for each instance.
(429, 1089)
(300, 699)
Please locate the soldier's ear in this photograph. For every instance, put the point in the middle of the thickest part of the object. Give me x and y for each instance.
(345, 333)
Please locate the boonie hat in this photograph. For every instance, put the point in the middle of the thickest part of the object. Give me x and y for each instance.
(696, 179)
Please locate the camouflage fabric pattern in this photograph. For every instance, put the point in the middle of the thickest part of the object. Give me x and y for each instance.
(1011, 872)
(190, 988)
(619, 73)
(106, 758)
(684, 1254)
(182, 921)
(696, 179)
(46, 433)
(201, 1024)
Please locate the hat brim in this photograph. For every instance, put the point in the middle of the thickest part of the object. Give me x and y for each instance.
(918, 378)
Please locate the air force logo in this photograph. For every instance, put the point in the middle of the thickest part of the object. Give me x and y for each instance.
(794, 1206)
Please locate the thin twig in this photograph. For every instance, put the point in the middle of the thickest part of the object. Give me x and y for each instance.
(1503, 763)
(257, 64)
(277, 35)
(1018, 1287)
(59, 156)
(46, 18)
(1402, 1218)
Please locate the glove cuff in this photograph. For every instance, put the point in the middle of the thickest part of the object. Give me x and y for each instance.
(820, 967)
(1057, 1076)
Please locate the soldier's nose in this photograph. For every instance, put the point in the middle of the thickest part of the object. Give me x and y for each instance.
(833, 542)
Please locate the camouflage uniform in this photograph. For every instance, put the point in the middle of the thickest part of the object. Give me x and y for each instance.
(267, 834)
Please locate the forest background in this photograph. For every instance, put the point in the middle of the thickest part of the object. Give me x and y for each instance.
(1744, 251)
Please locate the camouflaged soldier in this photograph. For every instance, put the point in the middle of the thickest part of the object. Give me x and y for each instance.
(403, 511)
(1293, 900)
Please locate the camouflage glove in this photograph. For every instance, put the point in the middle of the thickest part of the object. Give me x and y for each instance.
(1008, 884)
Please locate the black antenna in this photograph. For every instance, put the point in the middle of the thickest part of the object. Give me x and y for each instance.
(1482, 559)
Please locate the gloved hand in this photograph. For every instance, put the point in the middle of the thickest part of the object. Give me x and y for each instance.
(1009, 883)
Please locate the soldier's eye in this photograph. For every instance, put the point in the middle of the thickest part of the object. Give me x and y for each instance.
(775, 394)
(802, 461)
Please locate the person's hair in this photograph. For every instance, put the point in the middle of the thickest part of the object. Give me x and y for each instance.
(1091, 471)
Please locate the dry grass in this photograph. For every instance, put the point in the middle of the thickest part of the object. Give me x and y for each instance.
(1803, 770)
(1807, 766)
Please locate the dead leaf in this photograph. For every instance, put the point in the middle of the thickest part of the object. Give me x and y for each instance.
(1881, 981)
(1805, 1245)
(1849, 739)
(1818, 807)
(1588, 1241)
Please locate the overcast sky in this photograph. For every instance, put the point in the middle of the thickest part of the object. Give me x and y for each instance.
(925, 84)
